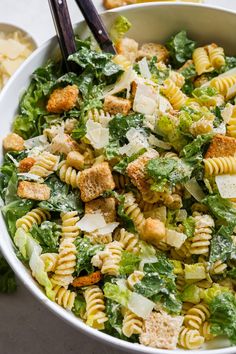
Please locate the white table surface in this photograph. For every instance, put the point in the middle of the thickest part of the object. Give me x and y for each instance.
(26, 326)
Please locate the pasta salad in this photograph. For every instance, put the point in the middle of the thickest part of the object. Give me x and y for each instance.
(119, 184)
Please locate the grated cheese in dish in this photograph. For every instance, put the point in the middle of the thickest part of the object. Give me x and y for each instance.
(15, 47)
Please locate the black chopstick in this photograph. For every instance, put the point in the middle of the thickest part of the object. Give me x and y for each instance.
(64, 29)
(96, 25)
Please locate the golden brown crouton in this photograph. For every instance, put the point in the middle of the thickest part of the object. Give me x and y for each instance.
(63, 99)
(221, 146)
(13, 142)
(33, 190)
(114, 105)
(107, 207)
(87, 280)
(128, 48)
(150, 50)
(136, 170)
(63, 144)
(153, 231)
(111, 4)
(75, 159)
(95, 180)
(26, 164)
(161, 330)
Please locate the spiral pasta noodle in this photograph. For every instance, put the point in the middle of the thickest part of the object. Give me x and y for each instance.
(201, 61)
(45, 164)
(205, 331)
(216, 55)
(95, 307)
(63, 296)
(223, 84)
(176, 97)
(35, 216)
(202, 234)
(180, 282)
(99, 116)
(121, 181)
(133, 211)
(177, 78)
(69, 175)
(95, 238)
(69, 227)
(134, 278)
(220, 165)
(231, 124)
(183, 252)
(218, 267)
(50, 261)
(128, 240)
(132, 324)
(190, 338)
(196, 316)
(111, 261)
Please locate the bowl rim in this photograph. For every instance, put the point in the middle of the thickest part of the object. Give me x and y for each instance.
(31, 285)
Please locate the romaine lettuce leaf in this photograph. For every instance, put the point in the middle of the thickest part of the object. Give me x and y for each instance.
(129, 262)
(47, 234)
(221, 208)
(222, 246)
(85, 252)
(119, 28)
(79, 308)
(181, 48)
(117, 293)
(120, 125)
(223, 316)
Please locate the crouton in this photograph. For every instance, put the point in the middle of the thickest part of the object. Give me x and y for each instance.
(221, 146)
(150, 50)
(153, 231)
(63, 99)
(75, 159)
(87, 280)
(33, 190)
(26, 164)
(63, 144)
(111, 4)
(94, 181)
(13, 142)
(107, 207)
(128, 48)
(136, 170)
(114, 105)
(161, 330)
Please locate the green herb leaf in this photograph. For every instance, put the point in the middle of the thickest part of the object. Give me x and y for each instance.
(129, 262)
(181, 48)
(85, 251)
(47, 235)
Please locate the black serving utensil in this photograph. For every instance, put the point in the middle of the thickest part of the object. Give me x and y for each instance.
(65, 33)
(96, 25)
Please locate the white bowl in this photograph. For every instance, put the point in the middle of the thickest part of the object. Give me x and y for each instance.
(151, 22)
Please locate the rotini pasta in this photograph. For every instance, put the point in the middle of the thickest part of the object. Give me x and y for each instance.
(133, 211)
(220, 165)
(64, 297)
(50, 261)
(218, 268)
(176, 97)
(121, 181)
(202, 234)
(216, 55)
(35, 216)
(201, 61)
(132, 324)
(231, 124)
(205, 331)
(128, 240)
(69, 175)
(45, 164)
(95, 307)
(190, 338)
(196, 316)
(69, 225)
(134, 278)
(223, 85)
(99, 116)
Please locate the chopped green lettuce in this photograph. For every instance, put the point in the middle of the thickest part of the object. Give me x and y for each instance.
(79, 308)
(223, 316)
(119, 294)
(31, 250)
(222, 246)
(204, 94)
(221, 208)
(85, 252)
(123, 164)
(47, 234)
(129, 262)
(208, 295)
(181, 48)
(120, 125)
(7, 278)
(189, 226)
(119, 28)
(192, 293)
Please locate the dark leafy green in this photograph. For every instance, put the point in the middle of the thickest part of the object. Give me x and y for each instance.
(223, 316)
(85, 251)
(222, 246)
(181, 48)
(123, 164)
(189, 226)
(47, 234)
(158, 284)
(7, 278)
(61, 199)
(221, 208)
(158, 75)
(120, 124)
(79, 307)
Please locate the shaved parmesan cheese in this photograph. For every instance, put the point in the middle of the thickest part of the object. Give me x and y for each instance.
(38, 141)
(31, 177)
(16, 163)
(137, 141)
(109, 228)
(144, 69)
(159, 143)
(226, 185)
(124, 83)
(91, 222)
(163, 104)
(145, 100)
(140, 305)
(194, 189)
(97, 134)
(221, 129)
(174, 238)
(227, 112)
(150, 121)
